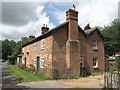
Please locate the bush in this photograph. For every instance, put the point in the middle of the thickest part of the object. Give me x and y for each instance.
(32, 68)
(11, 60)
(55, 73)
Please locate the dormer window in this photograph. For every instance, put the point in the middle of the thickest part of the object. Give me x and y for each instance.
(42, 45)
(94, 44)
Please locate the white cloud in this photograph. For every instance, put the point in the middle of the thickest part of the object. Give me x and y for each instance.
(33, 27)
(95, 12)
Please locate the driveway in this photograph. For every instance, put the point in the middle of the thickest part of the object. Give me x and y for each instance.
(87, 82)
(8, 81)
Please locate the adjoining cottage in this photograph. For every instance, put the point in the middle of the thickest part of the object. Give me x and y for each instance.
(66, 48)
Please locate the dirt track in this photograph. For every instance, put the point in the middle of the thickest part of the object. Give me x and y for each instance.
(87, 82)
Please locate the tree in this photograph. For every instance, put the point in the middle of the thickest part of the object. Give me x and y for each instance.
(10, 49)
(111, 33)
(24, 40)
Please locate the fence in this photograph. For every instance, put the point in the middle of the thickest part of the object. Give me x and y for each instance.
(112, 80)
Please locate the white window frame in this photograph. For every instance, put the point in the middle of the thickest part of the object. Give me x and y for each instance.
(94, 44)
(35, 46)
(42, 45)
(42, 60)
(35, 61)
(82, 62)
(23, 50)
(95, 62)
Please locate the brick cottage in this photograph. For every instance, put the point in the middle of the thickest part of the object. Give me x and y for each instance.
(66, 48)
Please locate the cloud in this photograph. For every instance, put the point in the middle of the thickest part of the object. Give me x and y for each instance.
(21, 19)
(16, 32)
(18, 13)
(95, 12)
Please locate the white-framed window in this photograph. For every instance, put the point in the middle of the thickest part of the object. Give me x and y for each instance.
(94, 44)
(23, 50)
(95, 62)
(35, 46)
(42, 45)
(41, 62)
(35, 61)
(81, 62)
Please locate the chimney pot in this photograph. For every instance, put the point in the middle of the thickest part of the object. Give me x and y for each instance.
(44, 29)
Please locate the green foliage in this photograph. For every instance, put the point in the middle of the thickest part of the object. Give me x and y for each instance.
(24, 40)
(10, 49)
(111, 33)
(11, 60)
(22, 75)
(55, 73)
(7, 48)
(96, 73)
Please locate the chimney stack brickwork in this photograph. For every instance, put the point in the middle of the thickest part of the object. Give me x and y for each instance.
(31, 37)
(44, 29)
(72, 44)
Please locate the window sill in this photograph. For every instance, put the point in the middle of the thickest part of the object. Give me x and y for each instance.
(95, 67)
(95, 49)
(41, 67)
(42, 49)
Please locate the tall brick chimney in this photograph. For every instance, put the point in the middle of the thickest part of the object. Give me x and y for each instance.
(44, 29)
(72, 44)
(72, 18)
(31, 37)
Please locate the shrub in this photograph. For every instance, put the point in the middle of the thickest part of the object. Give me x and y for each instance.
(55, 73)
(32, 68)
(11, 60)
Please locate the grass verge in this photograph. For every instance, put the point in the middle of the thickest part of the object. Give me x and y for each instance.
(25, 76)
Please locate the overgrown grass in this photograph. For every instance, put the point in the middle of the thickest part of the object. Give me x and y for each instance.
(96, 73)
(25, 76)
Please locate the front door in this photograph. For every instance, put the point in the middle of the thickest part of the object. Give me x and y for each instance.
(81, 67)
(38, 64)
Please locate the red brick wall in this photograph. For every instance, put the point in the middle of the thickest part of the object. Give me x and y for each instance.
(59, 49)
(46, 53)
(95, 53)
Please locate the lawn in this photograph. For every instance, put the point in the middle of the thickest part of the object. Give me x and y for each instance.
(22, 75)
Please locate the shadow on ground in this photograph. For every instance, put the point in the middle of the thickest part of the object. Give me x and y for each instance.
(8, 81)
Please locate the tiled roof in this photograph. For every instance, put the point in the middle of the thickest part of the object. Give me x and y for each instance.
(89, 31)
(84, 32)
(46, 34)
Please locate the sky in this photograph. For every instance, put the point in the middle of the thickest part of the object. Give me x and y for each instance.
(23, 18)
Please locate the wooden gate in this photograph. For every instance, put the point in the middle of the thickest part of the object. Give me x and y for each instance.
(112, 80)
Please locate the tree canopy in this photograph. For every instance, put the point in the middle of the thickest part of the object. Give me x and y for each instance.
(111, 33)
(10, 48)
